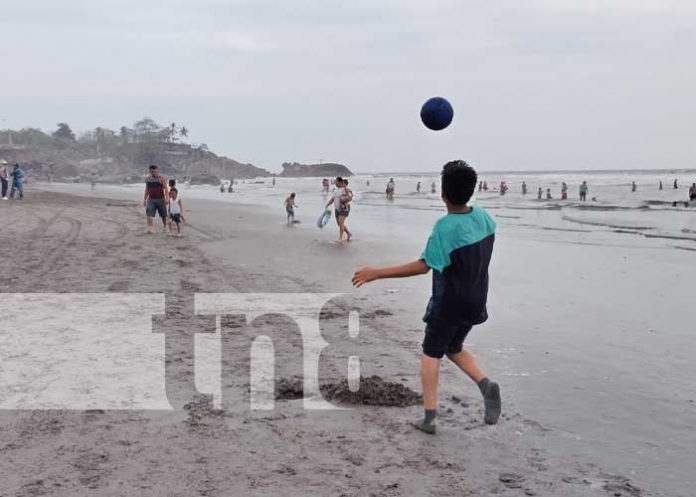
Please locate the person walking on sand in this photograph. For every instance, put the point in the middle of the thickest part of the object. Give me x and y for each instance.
(176, 211)
(222, 187)
(155, 199)
(17, 175)
(3, 179)
(458, 251)
(676, 185)
(230, 187)
(341, 199)
(583, 191)
(290, 208)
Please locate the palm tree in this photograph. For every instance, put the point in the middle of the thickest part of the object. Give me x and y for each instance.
(183, 132)
(172, 132)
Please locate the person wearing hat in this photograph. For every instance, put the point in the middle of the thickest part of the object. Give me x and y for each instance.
(3, 178)
(17, 181)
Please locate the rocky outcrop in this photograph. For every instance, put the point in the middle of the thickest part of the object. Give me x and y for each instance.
(327, 170)
(121, 163)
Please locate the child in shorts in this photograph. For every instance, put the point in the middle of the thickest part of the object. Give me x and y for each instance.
(458, 251)
(176, 211)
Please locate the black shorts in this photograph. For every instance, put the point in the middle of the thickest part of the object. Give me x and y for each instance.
(445, 337)
(176, 218)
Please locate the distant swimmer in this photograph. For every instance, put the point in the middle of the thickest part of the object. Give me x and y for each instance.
(676, 186)
(633, 186)
(548, 194)
(390, 189)
(524, 188)
(583, 191)
(564, 191)
(692, 192)
(660, 187)
(290, 208)
(155, 199)
(418, 187)
(540, 192)
(433, 187)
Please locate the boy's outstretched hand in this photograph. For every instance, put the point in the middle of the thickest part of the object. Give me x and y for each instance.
(364, 275)
(367, 274)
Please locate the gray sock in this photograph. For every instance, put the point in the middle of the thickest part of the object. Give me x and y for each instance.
(483, 386)
(491, 401)
(429, 423)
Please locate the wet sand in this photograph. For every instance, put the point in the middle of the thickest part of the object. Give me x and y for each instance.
(59, 243)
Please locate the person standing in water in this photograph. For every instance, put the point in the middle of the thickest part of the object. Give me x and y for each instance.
(564, 191)
(390, 189)
(540, 192)
(676, 186)
(290, 208)
(524, 188)
(155, 199)
(692, 192)
(583, 191)
(433, 187)
(418, 187)
(633, 186)
(548, 194)
(341, 200)
(273, 180)
(660, 187)
(485, 186)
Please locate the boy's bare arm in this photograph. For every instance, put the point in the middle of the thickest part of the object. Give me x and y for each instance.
(367, 274)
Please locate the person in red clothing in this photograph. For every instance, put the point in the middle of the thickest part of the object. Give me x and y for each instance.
(156, 198)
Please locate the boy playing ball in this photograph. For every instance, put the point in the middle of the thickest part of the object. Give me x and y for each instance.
(458, 251)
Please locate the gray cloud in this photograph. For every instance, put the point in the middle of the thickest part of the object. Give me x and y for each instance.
(538, 84)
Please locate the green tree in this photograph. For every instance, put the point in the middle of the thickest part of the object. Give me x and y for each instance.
(183, 132)
(64, 132)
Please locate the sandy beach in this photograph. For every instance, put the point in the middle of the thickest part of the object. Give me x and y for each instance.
(57, 244)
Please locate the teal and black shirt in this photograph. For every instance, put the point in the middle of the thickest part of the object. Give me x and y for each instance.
(458, 251)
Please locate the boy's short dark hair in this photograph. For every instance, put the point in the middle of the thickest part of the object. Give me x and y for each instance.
(152, 166)
(458, 182)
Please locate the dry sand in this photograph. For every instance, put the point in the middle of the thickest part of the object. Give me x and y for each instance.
(59, 243)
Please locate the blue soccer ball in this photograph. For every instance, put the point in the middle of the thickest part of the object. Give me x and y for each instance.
(437, 113)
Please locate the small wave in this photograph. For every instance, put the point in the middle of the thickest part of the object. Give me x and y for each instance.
(606, 225)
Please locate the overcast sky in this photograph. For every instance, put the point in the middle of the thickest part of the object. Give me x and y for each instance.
(536, 84)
